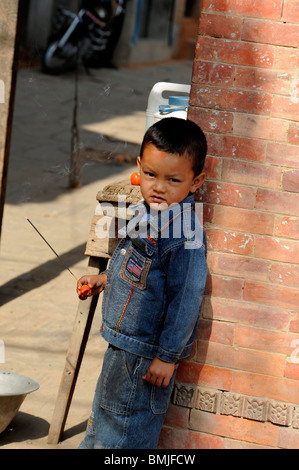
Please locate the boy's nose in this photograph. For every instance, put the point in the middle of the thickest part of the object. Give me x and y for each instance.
(159, 186)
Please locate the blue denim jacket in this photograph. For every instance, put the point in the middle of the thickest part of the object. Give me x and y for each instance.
(155, 283)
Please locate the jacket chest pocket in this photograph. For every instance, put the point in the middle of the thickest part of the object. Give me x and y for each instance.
(135, 268)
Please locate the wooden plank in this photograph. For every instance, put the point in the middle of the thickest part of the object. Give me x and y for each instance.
(10, 16)
(78, 340)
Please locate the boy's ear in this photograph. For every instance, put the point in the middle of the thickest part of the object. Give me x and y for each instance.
(138, 162)
(197, 182)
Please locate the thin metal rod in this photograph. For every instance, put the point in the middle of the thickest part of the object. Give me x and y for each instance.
(64, 265)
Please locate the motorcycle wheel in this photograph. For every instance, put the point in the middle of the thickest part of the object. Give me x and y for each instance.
(55, 61)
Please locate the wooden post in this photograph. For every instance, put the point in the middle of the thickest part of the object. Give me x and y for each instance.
(78, 341)
(10, 14)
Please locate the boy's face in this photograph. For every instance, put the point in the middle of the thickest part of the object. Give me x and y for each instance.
(166, 178)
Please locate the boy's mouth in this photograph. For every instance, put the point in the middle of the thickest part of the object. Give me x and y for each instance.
(158, 203)
(158, 199)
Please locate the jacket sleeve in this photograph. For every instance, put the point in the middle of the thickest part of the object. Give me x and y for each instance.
(185, 284)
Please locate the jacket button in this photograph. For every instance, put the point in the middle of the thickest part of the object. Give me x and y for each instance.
(123, 251)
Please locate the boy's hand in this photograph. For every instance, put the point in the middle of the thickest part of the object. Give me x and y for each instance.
(96, 283)
(159, 372)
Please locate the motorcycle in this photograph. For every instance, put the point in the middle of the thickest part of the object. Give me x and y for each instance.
(90, 35)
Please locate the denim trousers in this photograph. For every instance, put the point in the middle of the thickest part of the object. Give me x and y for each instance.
(127, 411)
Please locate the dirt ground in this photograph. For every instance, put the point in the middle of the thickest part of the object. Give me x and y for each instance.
(37, 296)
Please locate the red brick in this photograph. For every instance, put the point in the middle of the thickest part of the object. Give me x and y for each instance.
(227, 194)
(276, 388)
(239, 266)
(205, 49)
(199, 440)
(292, 370)
(255, 174)
(204, 375)
(243, 220)
(254, 8)
(293, 137)
(221, 240)
(208, 213)
(230, 426)
(286, 58)
(172, 438)
(285, 107)
(177, 416)
(234, 52)
(211, 120)
(277, 202)
(291, 11)
(224, 287)
(278, 296)
(236, 444)
(287, 227)
(294, 323)
(179, 439)
(268, 32)
(236, 147)
(219, 332)
(214, 26)
(248, 313)
(263, 80)
(288, 438)
(213, 167)
(290, 180)
(282, 154)
(260, 127)
(215, 74)
(277, 249)
(285, 274)
(221, 355)
(230, 100)
(264, 340)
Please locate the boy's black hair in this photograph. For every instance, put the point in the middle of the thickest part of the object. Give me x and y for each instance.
(180, 136)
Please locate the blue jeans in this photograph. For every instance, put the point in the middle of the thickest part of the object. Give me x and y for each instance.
(127, 411)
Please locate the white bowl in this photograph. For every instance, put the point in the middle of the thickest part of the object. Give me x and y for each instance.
(13, 391)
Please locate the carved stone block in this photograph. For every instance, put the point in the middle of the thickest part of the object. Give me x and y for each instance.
(206, 400)
(184, 396)
(255, 408)
(279, 413)
(296, 418)
(231, 404)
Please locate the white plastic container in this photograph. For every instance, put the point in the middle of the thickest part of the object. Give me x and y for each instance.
(177, 107)
(159, 107)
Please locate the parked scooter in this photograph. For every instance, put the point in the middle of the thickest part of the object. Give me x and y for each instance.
(91, 36)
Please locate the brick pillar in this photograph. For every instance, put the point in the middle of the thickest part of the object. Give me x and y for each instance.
(240, 388)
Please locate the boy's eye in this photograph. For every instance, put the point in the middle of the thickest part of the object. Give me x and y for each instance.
(174, 180)
(148, 173)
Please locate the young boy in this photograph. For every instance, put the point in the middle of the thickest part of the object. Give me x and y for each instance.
(153, 291)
